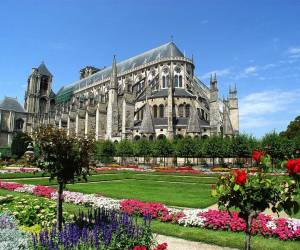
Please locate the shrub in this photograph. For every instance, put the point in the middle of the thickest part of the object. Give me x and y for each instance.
(19, 144)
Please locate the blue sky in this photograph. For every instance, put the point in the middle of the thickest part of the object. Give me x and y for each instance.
(253, 44)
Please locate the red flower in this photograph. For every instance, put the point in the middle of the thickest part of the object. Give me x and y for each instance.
(139, 248)
(213, 186)
(256, 155)
(162, 246)
(240, 177)
(293, 166)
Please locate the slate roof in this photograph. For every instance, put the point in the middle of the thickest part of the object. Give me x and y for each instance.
(12, 104)
(147, 126)
(164, 51)
(42, 69)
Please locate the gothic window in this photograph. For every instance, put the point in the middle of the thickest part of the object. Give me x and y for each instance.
(142, 114)
(155, 111)
(129, 87)
(43, 105)
(180, 110)
(176, 81)
(44, 85)
(164, 82)
(187, 110)
(161, 110)
(19, 124)
(180, 81)
(202, 114)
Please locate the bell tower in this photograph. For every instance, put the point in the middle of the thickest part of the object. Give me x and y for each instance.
(37, 95)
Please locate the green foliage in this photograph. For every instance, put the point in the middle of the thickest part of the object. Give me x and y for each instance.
(242, 145)
(293, 129)
(104, 151)
(19, 144)
(64, 157)
(276, 146)
(5, 153)
(29, 212)
(124, 148)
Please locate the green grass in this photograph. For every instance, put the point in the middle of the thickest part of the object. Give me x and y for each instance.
(20, 175)
(221, 238)
(171, 194)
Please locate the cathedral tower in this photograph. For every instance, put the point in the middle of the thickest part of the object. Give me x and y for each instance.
(234, 109)
(37, 96)
(214, 105)
(112, 107)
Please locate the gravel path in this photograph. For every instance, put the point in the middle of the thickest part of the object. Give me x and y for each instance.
(180, 244)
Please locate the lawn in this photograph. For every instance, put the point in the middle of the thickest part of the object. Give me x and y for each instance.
(221, 238)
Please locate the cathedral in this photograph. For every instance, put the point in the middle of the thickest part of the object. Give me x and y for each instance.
(153, 95)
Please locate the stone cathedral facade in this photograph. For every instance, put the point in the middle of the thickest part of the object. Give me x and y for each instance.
(152, 95)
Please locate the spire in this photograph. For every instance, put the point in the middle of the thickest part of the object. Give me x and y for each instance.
(113, 77)
(232, 92)
(213, 81)
(147, 126)
(194, 125)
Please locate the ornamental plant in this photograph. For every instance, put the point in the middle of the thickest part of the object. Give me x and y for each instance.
(64, 157)
(252, 194)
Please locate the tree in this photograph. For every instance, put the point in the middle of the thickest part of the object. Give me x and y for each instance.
(186, 148)
(124, 149)
(64, 157)
(104, 151)
(20, 143)
(242, 146)
(142, 148)
(293, 129)
(214, 147)
(278, 147)
(162, 148)
(253, 194)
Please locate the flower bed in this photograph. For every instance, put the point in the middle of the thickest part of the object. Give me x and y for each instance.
(264, 225)
(19, 170)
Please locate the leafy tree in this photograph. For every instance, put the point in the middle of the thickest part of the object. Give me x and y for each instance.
(143, 148)
(214, 147)
(186, 148)
(20, 143)
(162, 148)
(278, 147)
(293, 129)
(105, 151)
(124, 149)
(65, 158)
(296, 144)
(200, 145)
(242, 146)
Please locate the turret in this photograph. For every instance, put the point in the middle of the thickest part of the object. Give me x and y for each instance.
(233, 108)
(215, 118)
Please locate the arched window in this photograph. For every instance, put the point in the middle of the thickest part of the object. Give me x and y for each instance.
(161, 111)
(137, 137)
(180, 110)
(165, 80)
(19, 123)
(129, 87)
(176, 81)
(151, 138)
(161, 137)
(180, 81)
(142, 114)
(155, 111)
(187, 110)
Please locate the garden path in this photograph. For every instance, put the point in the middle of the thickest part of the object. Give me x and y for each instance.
(181, 244)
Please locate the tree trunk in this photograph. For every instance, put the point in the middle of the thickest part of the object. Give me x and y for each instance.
(213, 161)
(59, 212)
(248, 232)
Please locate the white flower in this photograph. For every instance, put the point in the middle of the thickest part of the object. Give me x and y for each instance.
(271, 225)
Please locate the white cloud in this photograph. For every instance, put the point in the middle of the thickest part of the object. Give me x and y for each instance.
(250, 70)
(260, 109)
(219, 72)
(294, 52)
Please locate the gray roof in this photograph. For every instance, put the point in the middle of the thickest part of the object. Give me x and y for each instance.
(164, 51)
(178, 92)
(147, 126)
(12, 104)
(42, 69)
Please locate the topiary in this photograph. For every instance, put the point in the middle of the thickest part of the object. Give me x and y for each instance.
(19, 144)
